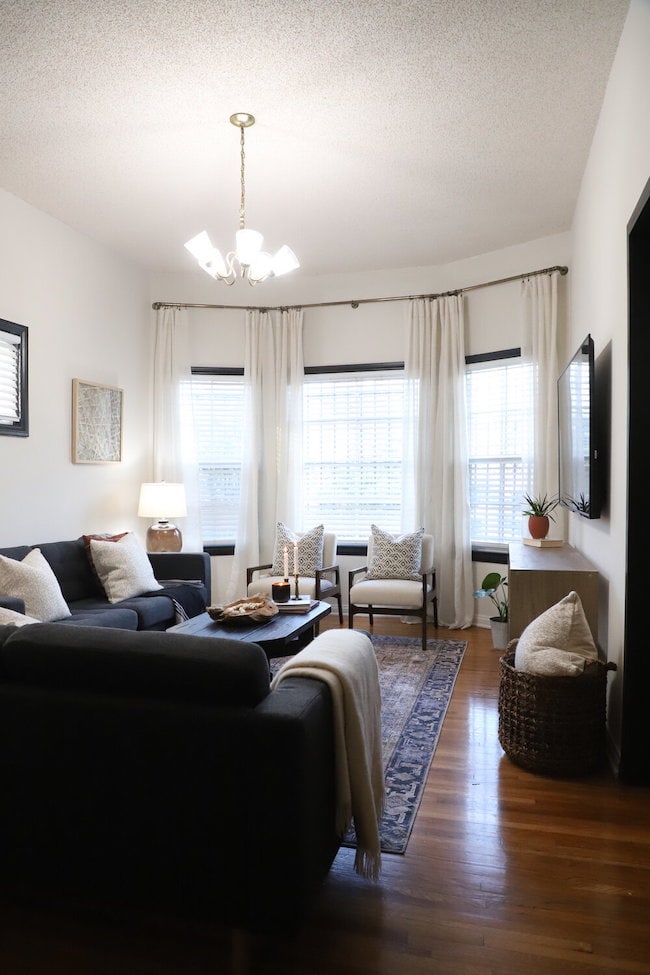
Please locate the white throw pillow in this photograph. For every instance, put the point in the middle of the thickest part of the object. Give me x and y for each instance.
(557, 643)
(33, 581)
(9, 617)
(395, 557)
(123, 567)
(310, 550)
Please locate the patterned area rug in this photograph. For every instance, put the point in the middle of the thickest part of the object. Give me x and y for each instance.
(415, 692)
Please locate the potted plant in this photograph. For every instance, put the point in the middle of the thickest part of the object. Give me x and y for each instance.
(495, 587)
(539, 510)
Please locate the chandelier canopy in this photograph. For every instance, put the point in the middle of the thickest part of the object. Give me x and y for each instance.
(247, 260)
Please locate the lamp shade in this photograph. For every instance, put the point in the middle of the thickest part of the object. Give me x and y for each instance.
(284, 261)
(249, 244)
(162, 499)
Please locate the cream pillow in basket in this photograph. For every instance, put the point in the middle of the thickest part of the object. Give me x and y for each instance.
(558, 643)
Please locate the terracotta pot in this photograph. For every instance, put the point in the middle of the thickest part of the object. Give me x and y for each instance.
(538, 526)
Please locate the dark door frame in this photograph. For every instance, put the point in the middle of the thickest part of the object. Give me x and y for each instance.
(635, 763)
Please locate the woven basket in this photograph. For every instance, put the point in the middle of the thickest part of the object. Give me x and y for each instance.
(553, 725)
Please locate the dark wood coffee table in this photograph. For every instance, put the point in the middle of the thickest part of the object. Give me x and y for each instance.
(284, 635)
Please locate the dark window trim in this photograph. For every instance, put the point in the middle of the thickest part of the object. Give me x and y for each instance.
(309, 370)
(19, 428)
(486, 553)
(480, 553)
(219, 548)
(354, 367)
(492, 356)
(217, 371)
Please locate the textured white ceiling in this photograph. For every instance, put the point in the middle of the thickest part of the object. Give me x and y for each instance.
(394, 134)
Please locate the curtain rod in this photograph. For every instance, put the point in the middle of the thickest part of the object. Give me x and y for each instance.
(362, 301)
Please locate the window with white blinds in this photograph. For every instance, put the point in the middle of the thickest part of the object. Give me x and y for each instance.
(353, 435)
(217, 414)
(13, 376)
(499, 396)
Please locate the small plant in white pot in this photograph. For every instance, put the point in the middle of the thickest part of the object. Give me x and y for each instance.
(495, 587)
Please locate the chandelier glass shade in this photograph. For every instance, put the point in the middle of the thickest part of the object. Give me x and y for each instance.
(247, 260)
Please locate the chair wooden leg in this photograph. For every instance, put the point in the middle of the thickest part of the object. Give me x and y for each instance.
(340, 602)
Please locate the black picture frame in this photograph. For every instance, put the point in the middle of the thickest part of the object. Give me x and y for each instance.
(17, 336)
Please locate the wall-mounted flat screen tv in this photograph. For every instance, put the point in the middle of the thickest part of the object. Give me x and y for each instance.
(578, 450)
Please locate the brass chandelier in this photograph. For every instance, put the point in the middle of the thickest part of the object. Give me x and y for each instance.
(247, 260)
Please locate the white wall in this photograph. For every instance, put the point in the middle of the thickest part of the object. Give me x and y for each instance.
(370, 333)
(88, 315)
(616, 174)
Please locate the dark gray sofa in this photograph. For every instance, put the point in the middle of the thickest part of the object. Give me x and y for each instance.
(159, 770)
(87, 601)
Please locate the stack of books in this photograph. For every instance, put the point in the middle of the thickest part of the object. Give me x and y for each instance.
(301, 605)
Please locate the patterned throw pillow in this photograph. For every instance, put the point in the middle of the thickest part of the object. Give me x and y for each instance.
(33, 581)
(123, 567)
(395, 557)
(310, 550)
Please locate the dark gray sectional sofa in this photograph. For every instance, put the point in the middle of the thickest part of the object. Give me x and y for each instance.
(160, 770)
(187, 572)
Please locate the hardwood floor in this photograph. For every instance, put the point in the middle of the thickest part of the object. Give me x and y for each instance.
(506, 873)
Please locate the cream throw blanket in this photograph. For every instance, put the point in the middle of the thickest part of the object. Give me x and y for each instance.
(346, 662)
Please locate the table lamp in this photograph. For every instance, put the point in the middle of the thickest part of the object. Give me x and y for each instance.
(162, 500)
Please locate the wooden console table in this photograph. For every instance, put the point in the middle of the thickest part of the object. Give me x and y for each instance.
(540, 577)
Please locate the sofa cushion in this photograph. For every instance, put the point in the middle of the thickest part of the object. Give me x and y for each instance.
(17, 552)
(33, 581)
(123, 567)
(71, 567)
(118, 617)
(395, 557)
(153, 612)
(150, 665)
(309, 549)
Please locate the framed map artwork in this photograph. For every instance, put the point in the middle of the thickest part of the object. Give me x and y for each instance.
(96, 423)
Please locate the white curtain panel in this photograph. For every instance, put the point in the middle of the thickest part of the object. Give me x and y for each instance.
(272, 464)
(435, 490)
(540, 297)
(174, 456)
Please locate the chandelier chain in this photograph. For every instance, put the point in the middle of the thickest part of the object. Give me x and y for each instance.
(242, 205)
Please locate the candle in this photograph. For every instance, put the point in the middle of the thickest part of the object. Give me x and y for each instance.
(286, 563)
(295, 558)
(280, 591)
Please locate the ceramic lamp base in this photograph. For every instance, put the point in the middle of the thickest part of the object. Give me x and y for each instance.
(164, 537)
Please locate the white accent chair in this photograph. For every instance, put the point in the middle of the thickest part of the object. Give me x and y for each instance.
(325, 585)
(396, 597)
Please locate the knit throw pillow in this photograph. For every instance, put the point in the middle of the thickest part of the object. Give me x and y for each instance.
(309, 549)
(395, 557)
(9, 617)
(33, 581)
(557, 643)
(123, 567)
